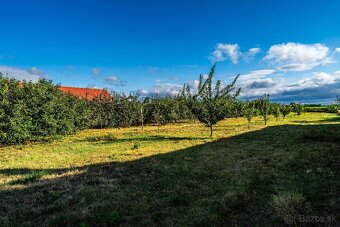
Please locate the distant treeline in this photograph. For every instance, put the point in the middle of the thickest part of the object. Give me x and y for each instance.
(40, 111)
(332, 108)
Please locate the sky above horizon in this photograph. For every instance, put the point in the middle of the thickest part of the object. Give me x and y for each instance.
(289, 49)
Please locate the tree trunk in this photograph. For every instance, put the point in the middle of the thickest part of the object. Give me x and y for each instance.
(211, 131)
(142, 117)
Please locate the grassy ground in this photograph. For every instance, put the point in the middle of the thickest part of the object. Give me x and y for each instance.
(285, 172)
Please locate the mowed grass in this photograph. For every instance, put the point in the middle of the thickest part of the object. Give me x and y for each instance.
(175, 175)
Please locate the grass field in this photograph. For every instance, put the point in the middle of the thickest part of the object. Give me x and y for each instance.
(174, 175)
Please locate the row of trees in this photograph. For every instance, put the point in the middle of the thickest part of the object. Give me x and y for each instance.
(34, 111)
(38, 111)
(127, 110)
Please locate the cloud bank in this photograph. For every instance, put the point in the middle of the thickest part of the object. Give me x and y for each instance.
(33, 74)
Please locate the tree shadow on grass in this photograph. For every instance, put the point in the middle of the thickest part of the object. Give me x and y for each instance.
(231, 181)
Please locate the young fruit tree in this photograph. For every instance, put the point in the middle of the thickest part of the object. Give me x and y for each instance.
(285, 110)
(209, 105)
(275, 109)
(249, 111)
(297, 108)
(264, 107)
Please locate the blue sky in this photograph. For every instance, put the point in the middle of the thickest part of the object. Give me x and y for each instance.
(286, 48)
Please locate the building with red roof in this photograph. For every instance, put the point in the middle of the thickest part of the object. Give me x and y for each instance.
(86, 93)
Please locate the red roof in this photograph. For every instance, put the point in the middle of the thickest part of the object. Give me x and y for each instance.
(86, 93)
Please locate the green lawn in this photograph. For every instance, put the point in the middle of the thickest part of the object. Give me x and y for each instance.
(174, 175)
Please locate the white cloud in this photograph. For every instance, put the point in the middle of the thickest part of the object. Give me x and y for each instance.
(115, 80)
(280, 85)
(254, 51)
(251, 53)
(166, 88)
(222, 51)
(33, 74)
(319, 79)
(257, 74)
(297, 56)
(337, 50)
(96, 71)
(297, 53)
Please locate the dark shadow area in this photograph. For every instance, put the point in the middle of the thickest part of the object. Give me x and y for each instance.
(232, 181)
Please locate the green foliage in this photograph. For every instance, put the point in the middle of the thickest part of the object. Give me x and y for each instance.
(333, 108)
(163, 110)
(33, 111)
(209, 105)
(40, 111)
